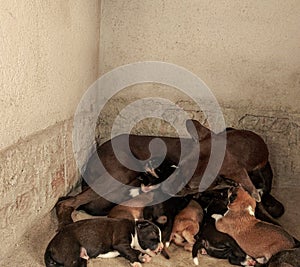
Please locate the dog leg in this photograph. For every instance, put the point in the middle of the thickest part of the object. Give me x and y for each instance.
(242, 177)
(262, 214)
(248, 261)
(272, 205)
(129, 253)
(83, 253)
(65, 207)
(189, 237)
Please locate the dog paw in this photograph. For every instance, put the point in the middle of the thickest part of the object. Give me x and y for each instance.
(217, 216)
(136, 264)
(146, 258)
(196, 261)
(203, 251)
(248, 262)
(262, 260)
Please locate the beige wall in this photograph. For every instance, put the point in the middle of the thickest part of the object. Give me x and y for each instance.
(247, 52)
(49, 51)
(48, 58)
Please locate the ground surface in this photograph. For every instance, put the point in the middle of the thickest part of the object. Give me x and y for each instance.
(29, 252)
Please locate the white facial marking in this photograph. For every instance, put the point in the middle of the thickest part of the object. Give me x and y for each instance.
(108, 255)
(251, 211)
(174, 166)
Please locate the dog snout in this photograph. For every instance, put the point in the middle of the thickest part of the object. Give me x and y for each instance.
(159, 248)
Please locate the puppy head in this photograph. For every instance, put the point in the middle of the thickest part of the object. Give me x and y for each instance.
(156, 171)
(240, 200)
(149, 236)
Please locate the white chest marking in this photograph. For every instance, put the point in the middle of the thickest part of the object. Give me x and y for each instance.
(251, 211)
(135, 242)
(217, 216)
(108, 255)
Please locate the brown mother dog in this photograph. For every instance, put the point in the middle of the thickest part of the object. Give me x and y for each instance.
(245, 151)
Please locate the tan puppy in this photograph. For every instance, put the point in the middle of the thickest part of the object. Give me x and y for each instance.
(186, 225)
(258, 239)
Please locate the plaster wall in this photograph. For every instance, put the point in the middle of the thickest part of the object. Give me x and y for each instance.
(247, 52)
(48, 58)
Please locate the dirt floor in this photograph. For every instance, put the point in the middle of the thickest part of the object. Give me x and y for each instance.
(29, 252)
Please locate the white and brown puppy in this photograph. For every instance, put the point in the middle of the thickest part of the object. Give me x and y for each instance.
(257, 238)
(74, 244)
(186, 225)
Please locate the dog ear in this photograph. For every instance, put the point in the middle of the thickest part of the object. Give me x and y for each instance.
(142, 224)
(197, 130)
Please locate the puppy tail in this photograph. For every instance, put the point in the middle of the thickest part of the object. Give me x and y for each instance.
(49, 261)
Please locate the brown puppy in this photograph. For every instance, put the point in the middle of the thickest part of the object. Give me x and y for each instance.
(186, 225)
(257, 238)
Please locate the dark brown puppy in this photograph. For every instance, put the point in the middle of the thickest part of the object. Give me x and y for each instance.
(245, 151)
(103, 237)
(186, 225)
(258, 239)
(286, 258)
(209, 240)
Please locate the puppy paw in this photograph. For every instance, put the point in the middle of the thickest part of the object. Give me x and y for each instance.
(248, 262)
(145, 258)
(203, 251)
(217, 216)
(262, 260)
(136, 264)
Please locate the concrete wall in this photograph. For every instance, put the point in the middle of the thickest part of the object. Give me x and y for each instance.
(49, 54)
(247, 52)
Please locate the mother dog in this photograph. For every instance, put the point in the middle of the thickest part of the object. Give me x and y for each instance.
(245, 151)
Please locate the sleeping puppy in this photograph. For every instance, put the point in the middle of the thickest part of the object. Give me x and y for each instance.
(186, 225)
(286, 258)
(212, 242)
(163, 215)
(258, 239)
(156, 172)
(103, 237)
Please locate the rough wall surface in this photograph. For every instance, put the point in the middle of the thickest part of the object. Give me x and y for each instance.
(247, 52)
(49, 53)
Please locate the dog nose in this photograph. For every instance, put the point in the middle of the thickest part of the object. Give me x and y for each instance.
(160, 247)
